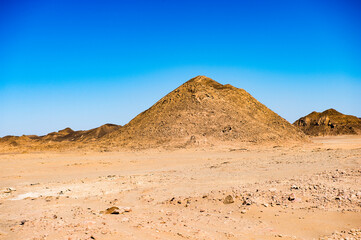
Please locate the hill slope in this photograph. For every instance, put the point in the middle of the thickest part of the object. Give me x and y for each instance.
(205, 111)
(329, 122)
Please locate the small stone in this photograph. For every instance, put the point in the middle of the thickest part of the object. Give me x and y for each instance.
(291, 197)
(9, 190)
(228, 200)
(127, 209)
(243, 211)
(247, 201)
(48, 198)
(112, 210)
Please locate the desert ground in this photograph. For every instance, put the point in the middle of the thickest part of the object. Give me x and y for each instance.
(307, 191)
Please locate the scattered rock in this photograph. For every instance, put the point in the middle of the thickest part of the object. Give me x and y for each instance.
(247, 201)
(112, 210)
(48, 198)
(116, 210)
(127, 209)
(291, 197)
(9, 190)
(23, 222)
(228, 200)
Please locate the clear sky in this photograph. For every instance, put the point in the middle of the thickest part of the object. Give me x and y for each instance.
(81, 64)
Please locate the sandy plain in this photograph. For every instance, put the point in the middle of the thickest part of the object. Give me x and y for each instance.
(311, 191)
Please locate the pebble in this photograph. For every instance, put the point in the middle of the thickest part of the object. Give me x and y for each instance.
(291, 197)
(247, 201)
(127, 209)
(112, 210)
(9, 190)
(228, 200)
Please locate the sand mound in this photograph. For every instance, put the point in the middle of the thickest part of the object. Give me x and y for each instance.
(329, 122)
(205, 111)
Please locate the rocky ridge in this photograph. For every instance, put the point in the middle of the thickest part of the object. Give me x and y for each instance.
(329, 122)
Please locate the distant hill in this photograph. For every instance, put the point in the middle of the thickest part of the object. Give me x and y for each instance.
(68, 134)
(329, 122)
(66, 138)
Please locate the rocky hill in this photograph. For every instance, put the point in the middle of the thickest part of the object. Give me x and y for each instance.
(203, 111)
(329, 122)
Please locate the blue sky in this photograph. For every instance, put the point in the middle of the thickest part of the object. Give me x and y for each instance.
(81, 64)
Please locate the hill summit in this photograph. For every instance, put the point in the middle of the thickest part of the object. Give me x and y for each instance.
(329, 122)
(205, 111)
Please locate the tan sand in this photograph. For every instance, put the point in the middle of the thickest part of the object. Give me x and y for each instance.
(278, 192)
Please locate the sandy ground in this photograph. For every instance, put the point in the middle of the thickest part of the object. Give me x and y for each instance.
(274, 192)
